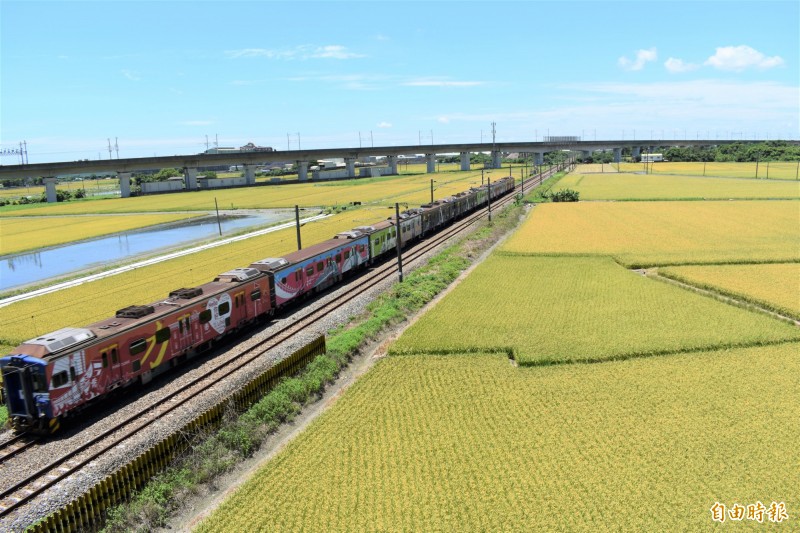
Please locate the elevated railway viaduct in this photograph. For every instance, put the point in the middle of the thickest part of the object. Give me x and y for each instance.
(248, 160)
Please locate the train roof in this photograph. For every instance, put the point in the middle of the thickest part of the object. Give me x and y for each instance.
(275, 264)
(378, 226)
(63, 340)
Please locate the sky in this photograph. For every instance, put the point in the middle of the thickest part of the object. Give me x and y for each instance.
(176, 77)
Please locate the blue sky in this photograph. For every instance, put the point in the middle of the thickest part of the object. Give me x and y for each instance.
(159, 76)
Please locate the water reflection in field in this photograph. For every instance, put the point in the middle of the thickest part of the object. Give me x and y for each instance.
(33, 267)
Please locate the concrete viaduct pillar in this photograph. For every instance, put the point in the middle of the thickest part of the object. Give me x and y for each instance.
(50, 190)
(464, 160)
(392, 161)
(538, 158)
(431, 162)
(302, 170)
(636, 152)
(617, 155)
(496, 162)
(190, 179)
(586, 155)
(350, 163)
(124, 184)
(249, 174)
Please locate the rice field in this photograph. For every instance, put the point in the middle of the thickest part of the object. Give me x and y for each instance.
(778, 170)
(664, 233)
(546, 310)
(689, 402)
(774, 286)
(470, 443)
(619, 186)
(411, 189)
(99, 299)
(23, 234)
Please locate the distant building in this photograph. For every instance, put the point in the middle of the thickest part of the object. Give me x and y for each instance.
(249, 147)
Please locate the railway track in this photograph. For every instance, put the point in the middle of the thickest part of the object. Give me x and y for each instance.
(41, 479)
(16, 445)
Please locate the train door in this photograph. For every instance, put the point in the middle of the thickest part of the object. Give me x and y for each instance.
(255, 297)
(112, 366)
(197, 330)
(240, 310)
(181, 334)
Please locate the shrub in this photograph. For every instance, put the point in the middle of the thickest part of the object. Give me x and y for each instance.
(565, 195)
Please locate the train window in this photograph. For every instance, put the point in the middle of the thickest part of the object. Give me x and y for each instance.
(283, 281)
(136, 365)
(320, 267)
(138, 346)
(347, 254)
(162, 335)
(60, 379)
(205, 316)
(105, 360)
(298, 274)
(255, 295)
(39, 382)
(180, 326)
(72, 373)
(339, 258)
(114, 359)
(310, 271)
(187, 324)
(224, 308)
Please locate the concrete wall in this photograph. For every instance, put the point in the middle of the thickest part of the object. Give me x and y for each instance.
(162, 186)
(373, 172)
(216, 183)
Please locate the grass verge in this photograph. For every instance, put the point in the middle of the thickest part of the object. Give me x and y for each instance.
(240, 436)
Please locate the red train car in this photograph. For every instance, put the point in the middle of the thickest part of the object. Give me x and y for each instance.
(65, 370)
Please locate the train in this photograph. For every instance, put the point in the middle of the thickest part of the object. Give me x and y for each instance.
(52, 377)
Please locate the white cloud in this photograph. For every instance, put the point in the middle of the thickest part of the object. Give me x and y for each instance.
(642, 57)
(305, 51)
(441, 83)
(131, 75)
(738, 58)
(334, 52)
(384, 124)
(443, 119)
(675, 66)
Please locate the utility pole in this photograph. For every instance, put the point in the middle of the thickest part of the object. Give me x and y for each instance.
(297, 221)
(298, 141)
(116, 146)
(109, 148)
(489, 197)
(399, 244)
(288, 145)
(431, 191)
